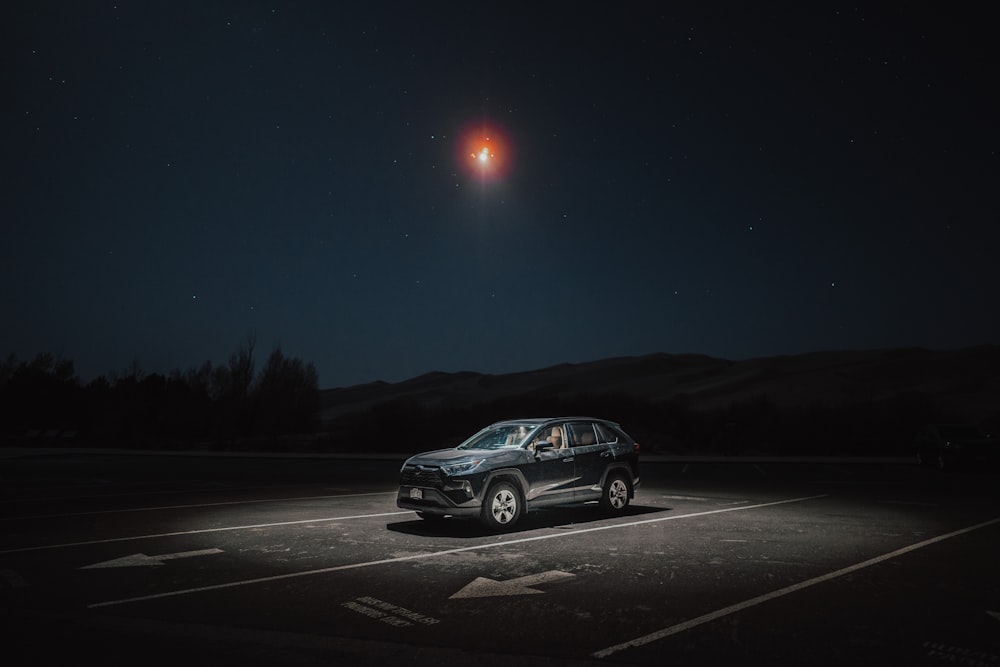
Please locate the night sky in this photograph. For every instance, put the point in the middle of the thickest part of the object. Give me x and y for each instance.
(658, 177)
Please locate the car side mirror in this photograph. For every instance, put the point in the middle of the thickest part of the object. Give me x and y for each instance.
(540, 446)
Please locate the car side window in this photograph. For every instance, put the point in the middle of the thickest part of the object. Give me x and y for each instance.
(553, 435)
(581, 434)
(605, 435)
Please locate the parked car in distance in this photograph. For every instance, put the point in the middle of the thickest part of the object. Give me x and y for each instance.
(947, 446)
(511, 467)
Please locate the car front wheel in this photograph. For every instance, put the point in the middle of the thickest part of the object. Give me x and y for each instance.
(615, 497)
(501, 506)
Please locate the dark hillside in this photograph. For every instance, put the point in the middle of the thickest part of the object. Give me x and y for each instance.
(854, 402)
(867, 402)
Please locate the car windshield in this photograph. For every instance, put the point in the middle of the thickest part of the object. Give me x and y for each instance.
(506, 436)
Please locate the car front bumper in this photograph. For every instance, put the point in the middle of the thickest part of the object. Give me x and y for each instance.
(434, 501)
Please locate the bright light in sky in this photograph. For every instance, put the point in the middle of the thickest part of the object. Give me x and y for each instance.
(485, 151)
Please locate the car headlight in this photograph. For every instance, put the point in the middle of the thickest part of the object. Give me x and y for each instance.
(460, 468)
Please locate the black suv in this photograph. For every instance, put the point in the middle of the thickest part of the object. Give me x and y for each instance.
(522, 464)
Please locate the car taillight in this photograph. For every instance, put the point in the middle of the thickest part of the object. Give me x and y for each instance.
(636, 447)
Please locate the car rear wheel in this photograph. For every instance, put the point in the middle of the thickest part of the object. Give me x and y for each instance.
(501, 506)
(615, 497)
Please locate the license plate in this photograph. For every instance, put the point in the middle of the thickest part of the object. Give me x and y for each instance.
(416, 494)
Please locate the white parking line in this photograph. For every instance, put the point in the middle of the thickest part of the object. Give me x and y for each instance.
(193, 505)
(740, 606)
(197, 532)
(432, 554)
(165, 487)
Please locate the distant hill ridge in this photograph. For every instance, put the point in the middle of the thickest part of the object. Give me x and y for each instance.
(967, 380)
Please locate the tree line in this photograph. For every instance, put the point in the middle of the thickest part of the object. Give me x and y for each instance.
(44, 398)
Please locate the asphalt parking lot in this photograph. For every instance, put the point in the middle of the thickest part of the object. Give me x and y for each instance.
(152, 560)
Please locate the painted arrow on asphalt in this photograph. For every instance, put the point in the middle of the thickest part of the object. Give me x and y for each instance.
(482, 587)
(142, 560)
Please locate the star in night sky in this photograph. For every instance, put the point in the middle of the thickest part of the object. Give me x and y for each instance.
(388, 189)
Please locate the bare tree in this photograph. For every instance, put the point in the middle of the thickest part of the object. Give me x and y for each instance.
(286, 395)
(241, 368)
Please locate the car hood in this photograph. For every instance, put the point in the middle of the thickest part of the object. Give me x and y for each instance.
(971, 442)
(440, 457)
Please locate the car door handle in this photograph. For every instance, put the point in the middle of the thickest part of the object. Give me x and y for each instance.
(606, 453)
(568, 459)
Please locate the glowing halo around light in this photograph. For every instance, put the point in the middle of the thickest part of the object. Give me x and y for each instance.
(484, 151)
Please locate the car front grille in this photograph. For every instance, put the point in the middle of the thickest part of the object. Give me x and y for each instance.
(418, 476)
